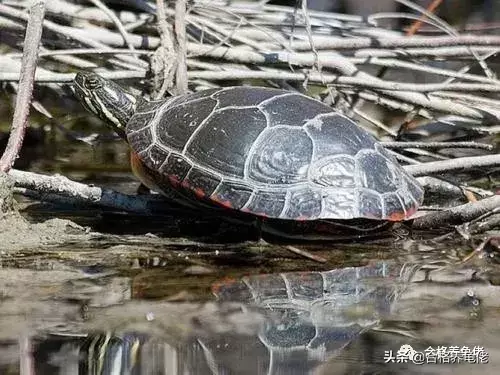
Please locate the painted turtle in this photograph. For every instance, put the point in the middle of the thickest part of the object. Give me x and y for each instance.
(266, 152)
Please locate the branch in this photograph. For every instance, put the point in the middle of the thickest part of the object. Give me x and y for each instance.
(453, 165)
(417, 24)
(401, 42)
(112, 16)
(81, 193)
(181, 75)
(404, 145)
(457, 215)
(47, 76)
(336, 80)
(28, 68)
(418, 67)
(165, 50)
(490, 222)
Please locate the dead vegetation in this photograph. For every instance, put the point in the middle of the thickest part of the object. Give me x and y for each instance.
(439, 86)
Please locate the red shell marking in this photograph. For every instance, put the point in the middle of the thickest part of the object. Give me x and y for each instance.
(396, 216)
(174, 181)
(223, 203)
(199, 193)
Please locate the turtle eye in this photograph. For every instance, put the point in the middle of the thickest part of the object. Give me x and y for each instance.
(92, 83)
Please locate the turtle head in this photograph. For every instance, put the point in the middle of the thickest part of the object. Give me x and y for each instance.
(106, 99)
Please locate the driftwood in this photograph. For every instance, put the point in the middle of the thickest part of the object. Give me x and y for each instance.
(199, 44)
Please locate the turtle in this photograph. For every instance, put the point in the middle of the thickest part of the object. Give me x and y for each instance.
(257, 152)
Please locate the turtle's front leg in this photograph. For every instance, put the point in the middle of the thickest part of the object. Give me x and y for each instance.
(143, 189)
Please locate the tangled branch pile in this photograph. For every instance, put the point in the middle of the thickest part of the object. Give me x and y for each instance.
(345, 60)
(241, 41)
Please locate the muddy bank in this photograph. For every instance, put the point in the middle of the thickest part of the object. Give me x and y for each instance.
(16, 233)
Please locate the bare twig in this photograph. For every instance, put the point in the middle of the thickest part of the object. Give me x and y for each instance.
(116, 21)
(69, 77)
(416, 25)
(490, 222)
(181, 76)
(421, 67)
(400, 145)
(28, 68)
(167, 49)
(306, 254)
(457, 215)
(86, 37)
(402, 42)
(337, 81)
(307, 22)
(454, 165)
(448, 29)
(82, 193)
(86, 51)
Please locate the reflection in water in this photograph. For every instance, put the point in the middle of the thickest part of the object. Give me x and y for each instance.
(336, 322)
(267, 324)
(86, 320)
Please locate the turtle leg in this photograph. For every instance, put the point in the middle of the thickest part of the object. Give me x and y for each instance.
(143, 189)
(142, 173)
(258, 224)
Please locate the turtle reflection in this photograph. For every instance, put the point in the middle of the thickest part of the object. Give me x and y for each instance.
(303, 319)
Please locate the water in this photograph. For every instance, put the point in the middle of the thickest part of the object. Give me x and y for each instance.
(193, 295)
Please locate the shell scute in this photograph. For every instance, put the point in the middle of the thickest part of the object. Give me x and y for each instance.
(157, 156)
(334, 171)
(377, 173)
(281, 156)
(293, 109)
(176, 167)
(243, 97)
(303, 204)
(140, 121)
(201, 182)
(340, 203)
(334, 134)
(394, 209)
(414, 190)
(144, 106)
(370, 203)
(141, 140)
(189, 98)
(224, 141)
(232, 195)
(267, 203)
(175, 126)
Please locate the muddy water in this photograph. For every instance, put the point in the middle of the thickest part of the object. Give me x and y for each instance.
(184, 294)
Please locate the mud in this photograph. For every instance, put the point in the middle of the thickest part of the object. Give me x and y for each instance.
(17, 233)
(6, 196)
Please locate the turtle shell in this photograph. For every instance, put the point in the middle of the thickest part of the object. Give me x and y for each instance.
(271, 153)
